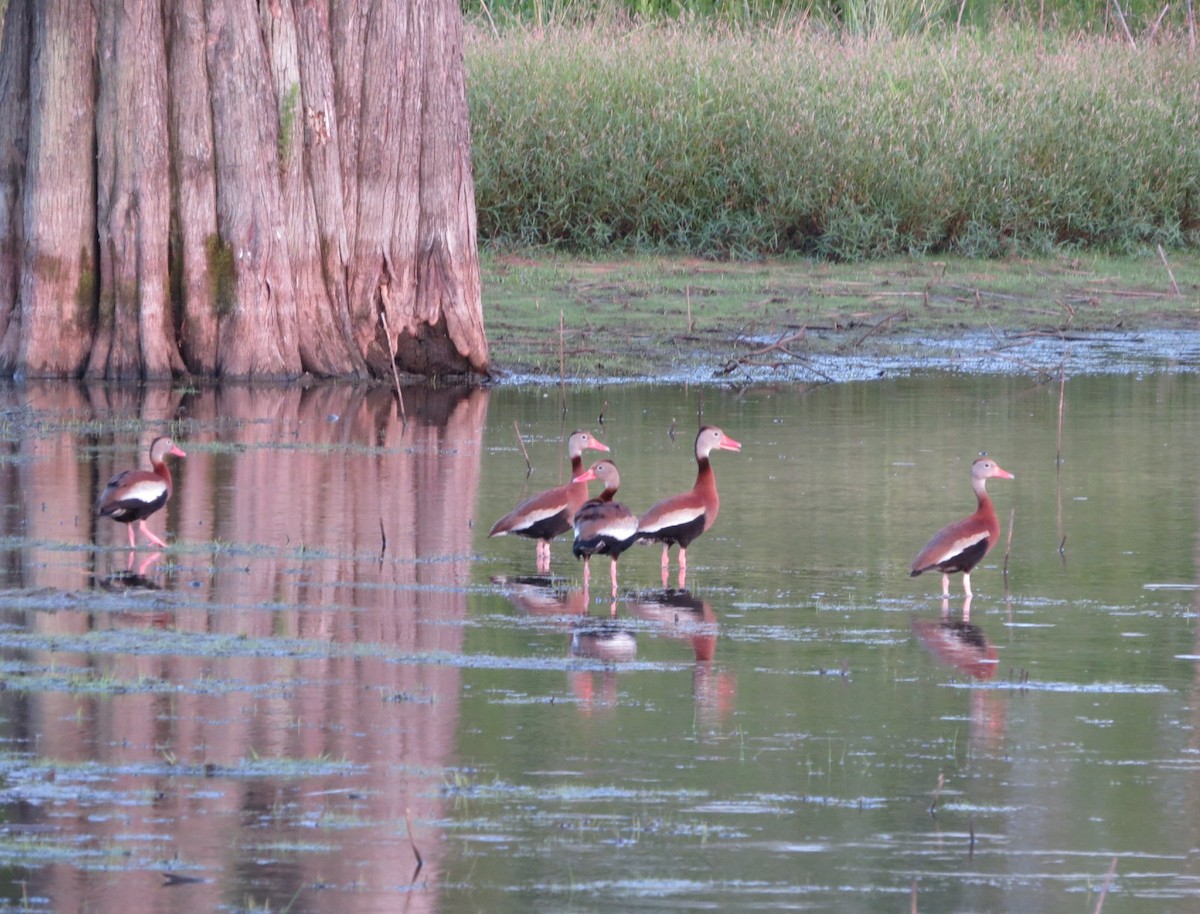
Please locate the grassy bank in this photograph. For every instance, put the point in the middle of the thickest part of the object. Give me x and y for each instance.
(651, 317)
(759, 142)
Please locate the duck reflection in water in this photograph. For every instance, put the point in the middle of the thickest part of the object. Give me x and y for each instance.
(680, 615)
(589, 638)
(130, 582)
(130, 579)
(962, 645)
(606, 640)
(958, 643)
(542, 595)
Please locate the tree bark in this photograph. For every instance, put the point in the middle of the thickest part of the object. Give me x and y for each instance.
(52, 320)
(244, 190)
(134, 336)
(14, 143)
(194, 239)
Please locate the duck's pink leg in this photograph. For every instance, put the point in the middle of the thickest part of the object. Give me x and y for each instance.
(614, 578)
(150, 536)
(682, 568)
(666, 564)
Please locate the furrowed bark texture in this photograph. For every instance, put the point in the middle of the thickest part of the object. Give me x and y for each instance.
(223, 188)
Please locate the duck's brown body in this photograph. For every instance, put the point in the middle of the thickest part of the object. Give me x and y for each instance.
(550, 513)
(132, 496)
(960, 546)
(679, 519)
(603, 526)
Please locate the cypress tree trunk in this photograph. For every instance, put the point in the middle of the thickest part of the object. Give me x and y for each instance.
(134, 335)
(14, 144)
(236, 189)
(52, 320)
(194, 240)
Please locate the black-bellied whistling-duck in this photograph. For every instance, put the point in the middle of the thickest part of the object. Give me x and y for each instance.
(963, 544)
(132, 496)
(603, 526)
(682, 518)
(547, 514)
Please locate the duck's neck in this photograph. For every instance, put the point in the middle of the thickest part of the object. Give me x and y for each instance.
(161, 471)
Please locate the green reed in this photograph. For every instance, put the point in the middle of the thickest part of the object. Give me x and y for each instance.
(757, 141)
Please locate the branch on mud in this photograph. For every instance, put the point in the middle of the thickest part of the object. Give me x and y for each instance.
(902, 313)
(756, 358)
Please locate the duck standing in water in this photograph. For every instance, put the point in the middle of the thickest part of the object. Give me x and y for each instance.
(132, 496)
(547, 514)
(603, 526)
(961, 546)
(681, 518)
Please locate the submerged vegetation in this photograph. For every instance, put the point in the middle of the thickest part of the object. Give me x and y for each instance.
(796, 133)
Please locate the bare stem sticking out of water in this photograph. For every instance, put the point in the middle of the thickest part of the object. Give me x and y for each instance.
(387, 335)
(687, 292)
(382, 540)
(1112, 869)
(1062, 399)
(937, 794)
(1174, 284)
(671, 430)
(603, 409)
(971, 843)
(562, 360)
(412, 841)
(1012, 516)
(524, 453)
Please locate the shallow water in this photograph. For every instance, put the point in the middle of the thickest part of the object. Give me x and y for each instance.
(332, 670)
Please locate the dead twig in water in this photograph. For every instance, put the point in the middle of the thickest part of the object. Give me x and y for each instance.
(1112, 869)
(937, 794)
(1174, 284)
(1062, 399)
(603, 408)
(1012, 516)
(671, 430)
(562, 364)
(382, 540)
(524, 453)
(387, 334)
(412, 841)
(971, 843)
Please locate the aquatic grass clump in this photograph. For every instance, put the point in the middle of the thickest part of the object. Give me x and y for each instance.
(750, 143)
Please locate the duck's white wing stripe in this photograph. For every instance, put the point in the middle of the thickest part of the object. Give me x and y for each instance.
(672, 519)
(145, 491)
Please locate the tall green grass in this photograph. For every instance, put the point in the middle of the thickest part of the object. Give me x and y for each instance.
(761, 141)
(850, 17)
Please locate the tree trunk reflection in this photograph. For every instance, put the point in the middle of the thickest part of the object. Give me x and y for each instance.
(278, 529)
